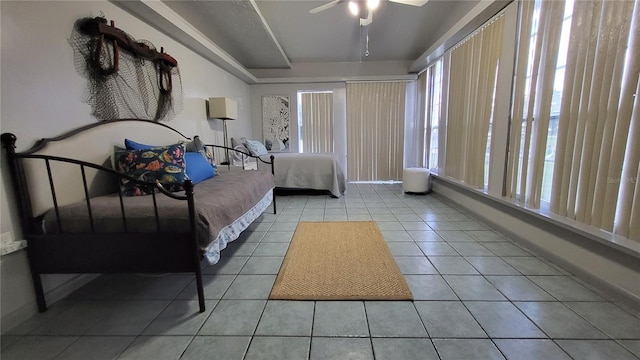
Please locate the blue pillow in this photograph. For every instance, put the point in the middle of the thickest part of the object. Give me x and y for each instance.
(256, 148)
(198, 168)
(132, 145)
(196, 145)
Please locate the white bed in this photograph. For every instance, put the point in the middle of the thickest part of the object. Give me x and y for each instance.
(301, 171)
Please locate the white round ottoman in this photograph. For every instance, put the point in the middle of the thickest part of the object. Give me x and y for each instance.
(416, 180)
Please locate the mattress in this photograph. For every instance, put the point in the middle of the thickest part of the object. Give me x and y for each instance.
(319, 171)
(225, 205)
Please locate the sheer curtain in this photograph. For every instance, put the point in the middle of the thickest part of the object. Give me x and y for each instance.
(472, 80)
(375, 130)
(317, 122)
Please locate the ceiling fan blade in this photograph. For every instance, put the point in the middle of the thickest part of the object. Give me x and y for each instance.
(325, 6)
(410, 2)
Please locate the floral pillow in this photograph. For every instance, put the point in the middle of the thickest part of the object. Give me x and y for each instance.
(165, 164)
(196, 145)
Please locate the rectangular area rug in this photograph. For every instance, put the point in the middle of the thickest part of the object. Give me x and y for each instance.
(341, 260)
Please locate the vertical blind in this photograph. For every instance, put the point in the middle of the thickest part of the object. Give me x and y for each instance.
(421, 117)
(435, 92)
(596, 169)
(317, 122)
(533, 91)
(472, 80)
(594, 177)
(375, 130)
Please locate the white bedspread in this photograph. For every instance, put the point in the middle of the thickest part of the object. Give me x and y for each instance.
(308, 171)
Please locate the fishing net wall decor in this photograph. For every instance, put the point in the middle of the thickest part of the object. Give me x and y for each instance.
(126, 78)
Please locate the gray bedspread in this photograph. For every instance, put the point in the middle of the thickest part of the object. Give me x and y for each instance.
(309, 171)
(219, 203)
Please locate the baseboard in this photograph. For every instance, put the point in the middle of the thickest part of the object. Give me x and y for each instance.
(611, 272)
(604, 288)
(30, 309)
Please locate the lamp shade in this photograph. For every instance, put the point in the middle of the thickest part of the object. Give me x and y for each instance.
(222, 108)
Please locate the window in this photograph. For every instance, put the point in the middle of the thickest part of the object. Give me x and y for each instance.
(576, 149)
(558, 87)
(537, 98)
(315, 122)
(487, 151)
(434, 112)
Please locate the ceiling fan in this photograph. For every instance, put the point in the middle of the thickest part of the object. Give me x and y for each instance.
(364, 10)
(363, 7)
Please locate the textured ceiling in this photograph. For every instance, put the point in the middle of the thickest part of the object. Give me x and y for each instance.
(271, 36)
(398, 31)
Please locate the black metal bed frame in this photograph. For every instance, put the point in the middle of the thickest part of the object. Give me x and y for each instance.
(95, 252)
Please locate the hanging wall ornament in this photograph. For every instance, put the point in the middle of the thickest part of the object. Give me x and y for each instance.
(127, 78)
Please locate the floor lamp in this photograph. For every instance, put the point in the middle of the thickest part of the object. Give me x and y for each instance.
(224, 109)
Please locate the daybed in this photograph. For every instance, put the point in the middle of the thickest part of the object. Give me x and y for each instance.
(76, 220)
(306, 172)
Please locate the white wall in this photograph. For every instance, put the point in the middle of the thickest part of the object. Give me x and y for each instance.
(41, 96)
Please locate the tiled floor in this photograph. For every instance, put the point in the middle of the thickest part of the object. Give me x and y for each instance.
(477, 295)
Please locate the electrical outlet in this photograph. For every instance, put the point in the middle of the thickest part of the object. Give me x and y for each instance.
(13, 246)
(7, 237)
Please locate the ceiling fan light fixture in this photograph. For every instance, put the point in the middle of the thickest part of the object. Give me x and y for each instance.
(354, 8)
(373, 4)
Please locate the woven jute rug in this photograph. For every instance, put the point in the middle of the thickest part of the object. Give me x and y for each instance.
(339, 261)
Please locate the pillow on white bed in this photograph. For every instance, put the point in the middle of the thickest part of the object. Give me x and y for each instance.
(256, 148)
(240, 142)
